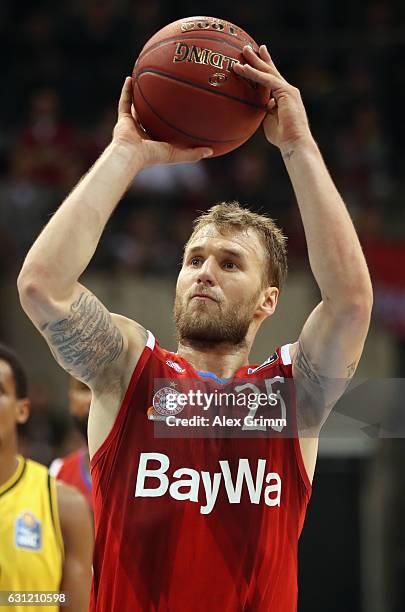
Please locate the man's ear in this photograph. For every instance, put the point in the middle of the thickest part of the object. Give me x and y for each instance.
(269, 301)
(22, 410)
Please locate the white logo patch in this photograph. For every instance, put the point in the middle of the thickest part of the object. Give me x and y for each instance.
(175, 366)
(165, 401)
(28, 532)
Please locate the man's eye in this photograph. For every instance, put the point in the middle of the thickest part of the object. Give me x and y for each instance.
(229, 265)
(195, 261)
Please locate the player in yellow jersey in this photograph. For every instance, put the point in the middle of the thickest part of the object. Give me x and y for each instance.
(45, 527)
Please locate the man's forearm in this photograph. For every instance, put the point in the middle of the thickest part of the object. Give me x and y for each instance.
(66, 245)
(335, 254)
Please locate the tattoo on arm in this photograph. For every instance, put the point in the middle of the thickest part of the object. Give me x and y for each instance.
(87, 340)
(303, 364)
(289, 154)
(351, 368)
(316, 393)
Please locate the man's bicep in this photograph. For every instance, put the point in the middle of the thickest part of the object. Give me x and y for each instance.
(330, 345)
(324, 360)
(82, 335)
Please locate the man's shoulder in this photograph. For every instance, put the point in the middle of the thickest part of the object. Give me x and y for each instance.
(117, 376)
(282, 356)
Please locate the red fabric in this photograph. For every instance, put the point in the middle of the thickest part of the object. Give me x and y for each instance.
(73, 472)
(160, 553)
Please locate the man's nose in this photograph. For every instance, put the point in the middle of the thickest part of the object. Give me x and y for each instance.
(206, 274)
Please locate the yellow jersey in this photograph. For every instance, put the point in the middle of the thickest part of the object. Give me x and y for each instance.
(31, 545)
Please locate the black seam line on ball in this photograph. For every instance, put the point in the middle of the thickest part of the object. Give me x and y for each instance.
(202, 87)
(181, 37)
(177, 129)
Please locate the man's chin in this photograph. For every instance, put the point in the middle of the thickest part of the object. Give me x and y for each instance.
(209, 334)
(202, 339)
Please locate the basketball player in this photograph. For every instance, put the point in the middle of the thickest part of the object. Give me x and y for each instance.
(74, 469)
(45, 528)
(202, 524)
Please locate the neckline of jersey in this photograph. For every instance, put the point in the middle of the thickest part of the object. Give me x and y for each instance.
(212, 375)
(223, 381)
(14, 478)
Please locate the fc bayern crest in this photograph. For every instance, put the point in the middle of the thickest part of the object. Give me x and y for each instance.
(165, 401)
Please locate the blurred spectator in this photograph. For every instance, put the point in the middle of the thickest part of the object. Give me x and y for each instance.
(48, 141)
(143, 248)
(362, 158)
(23, 203)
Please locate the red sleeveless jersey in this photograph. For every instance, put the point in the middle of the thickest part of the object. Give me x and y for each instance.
(195, 523)
(73, 470)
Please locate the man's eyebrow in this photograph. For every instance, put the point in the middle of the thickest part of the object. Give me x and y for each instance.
(232, 252)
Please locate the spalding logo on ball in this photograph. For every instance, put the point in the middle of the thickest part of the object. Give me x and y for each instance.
(185, 91)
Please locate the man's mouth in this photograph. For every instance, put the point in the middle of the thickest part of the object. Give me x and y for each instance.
(203, 296)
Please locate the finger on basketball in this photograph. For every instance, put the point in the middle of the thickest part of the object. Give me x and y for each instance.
(139, 128)
(134, 113)
(190, 155)
(258, 76)
(254, 60)
(273, 110)
(271, 106)
(124, 104)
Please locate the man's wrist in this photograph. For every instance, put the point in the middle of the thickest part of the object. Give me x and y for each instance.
(305, 144)
(129, 154)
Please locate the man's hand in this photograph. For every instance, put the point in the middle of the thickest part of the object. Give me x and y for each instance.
(286, 122)
(128, 132)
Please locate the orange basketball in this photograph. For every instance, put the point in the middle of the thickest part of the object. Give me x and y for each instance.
(185, 91)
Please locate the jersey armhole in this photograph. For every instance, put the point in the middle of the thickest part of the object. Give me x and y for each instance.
(121, 414)
(287, 361)
(301, 465)
(53, 503)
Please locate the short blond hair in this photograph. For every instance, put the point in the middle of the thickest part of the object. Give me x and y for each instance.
(226, 216)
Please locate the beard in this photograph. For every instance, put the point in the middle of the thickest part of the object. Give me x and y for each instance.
(213, 323)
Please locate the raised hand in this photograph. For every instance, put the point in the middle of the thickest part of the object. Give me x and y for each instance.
(129, 133)
(286, 121)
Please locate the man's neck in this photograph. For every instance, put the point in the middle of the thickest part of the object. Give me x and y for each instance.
(222, 360)
(8, 465)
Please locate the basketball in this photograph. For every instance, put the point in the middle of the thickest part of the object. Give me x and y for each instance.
(185, 91)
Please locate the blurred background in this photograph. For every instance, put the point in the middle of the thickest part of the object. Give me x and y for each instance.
(62, 68)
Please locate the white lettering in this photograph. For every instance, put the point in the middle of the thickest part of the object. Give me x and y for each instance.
(186, 487)
(193, 484)
(160, 474)
(234, 492)
(208, 400)
(273, 488)
(211, 491)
